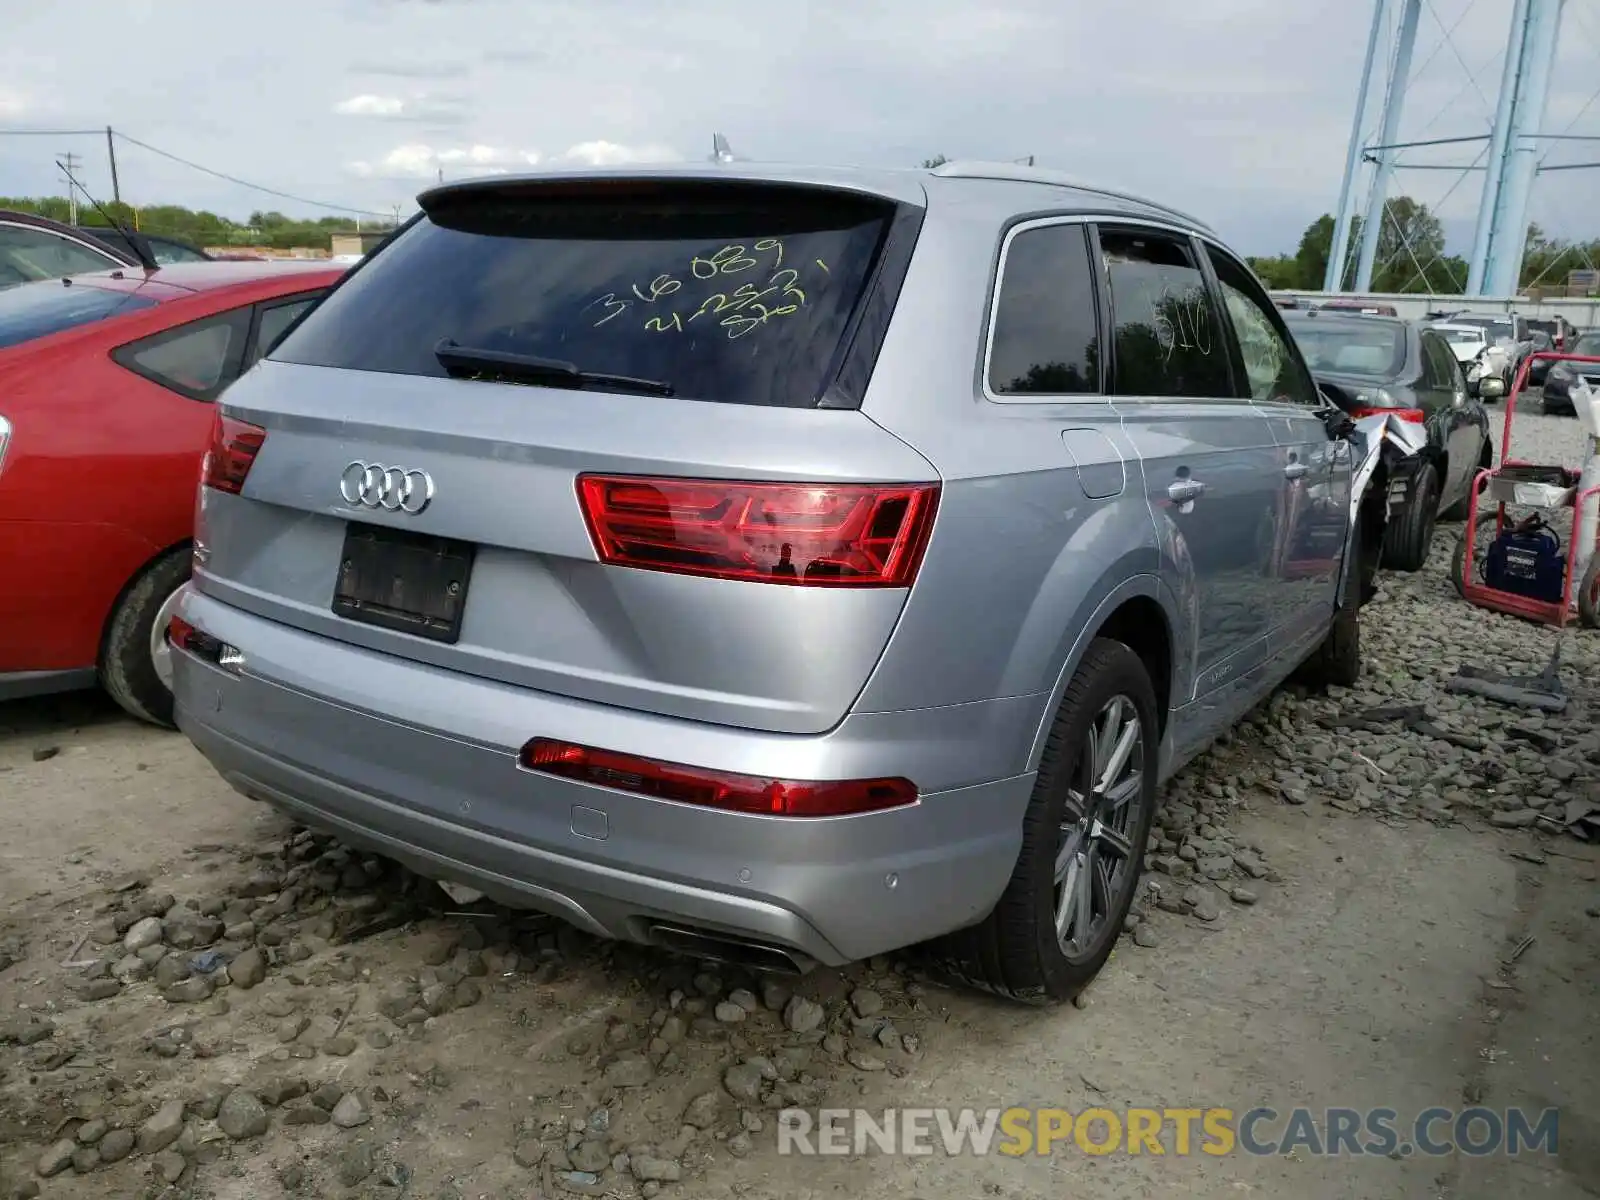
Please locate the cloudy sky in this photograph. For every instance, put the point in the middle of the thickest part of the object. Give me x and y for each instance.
(1237, 109)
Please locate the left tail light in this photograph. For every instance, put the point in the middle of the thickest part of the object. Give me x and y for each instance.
(233, 450)
(723, 790)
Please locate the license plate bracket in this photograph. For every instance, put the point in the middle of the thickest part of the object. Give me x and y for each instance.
(396, 579)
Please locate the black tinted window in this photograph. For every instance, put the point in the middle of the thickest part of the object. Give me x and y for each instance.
(1045, 336)
(36, 310)
(1168, 339)
(726, 293)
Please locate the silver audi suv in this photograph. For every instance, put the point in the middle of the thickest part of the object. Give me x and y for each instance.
(772, 564)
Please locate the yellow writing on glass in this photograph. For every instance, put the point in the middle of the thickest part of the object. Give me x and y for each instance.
(740, 311)
(661, 285)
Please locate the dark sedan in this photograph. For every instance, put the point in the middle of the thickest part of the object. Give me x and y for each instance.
(1561, 376)
(162, 250)
(1379, 364)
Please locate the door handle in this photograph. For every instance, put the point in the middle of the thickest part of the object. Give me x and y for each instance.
(1185, 491)
(1295, 470)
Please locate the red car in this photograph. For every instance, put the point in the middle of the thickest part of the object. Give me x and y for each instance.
(107, 383)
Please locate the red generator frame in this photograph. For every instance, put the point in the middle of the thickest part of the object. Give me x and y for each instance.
(1523, 484)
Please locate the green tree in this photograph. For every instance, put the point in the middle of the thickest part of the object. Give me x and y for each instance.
(1280, 272)
(1311, 257)
(1410, 249)
(199, 227)
(1410, 254)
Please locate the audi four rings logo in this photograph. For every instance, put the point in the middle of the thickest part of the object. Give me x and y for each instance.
(394, 489)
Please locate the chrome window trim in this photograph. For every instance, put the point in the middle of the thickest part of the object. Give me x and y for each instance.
(1120, 220)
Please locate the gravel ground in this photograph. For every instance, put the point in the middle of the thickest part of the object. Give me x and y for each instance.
(197, 999)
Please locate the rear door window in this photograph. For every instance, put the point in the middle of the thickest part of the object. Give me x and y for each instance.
(1168, 336)
(1046, 336)
(728, 293)
(35, 310)
(196, 360)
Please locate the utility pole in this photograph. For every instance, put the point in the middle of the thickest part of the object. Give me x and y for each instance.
(69, 170)
(111, 153)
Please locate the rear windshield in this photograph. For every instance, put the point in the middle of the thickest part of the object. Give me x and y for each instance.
(720, 292)
(1499, 326)
(1352, 347)
(34, 310)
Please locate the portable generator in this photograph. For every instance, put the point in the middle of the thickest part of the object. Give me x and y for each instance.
(1527, 560)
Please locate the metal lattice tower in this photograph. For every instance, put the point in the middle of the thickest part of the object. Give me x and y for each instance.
(1508, 155)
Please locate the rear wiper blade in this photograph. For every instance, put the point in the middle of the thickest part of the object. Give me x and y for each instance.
(473, 360)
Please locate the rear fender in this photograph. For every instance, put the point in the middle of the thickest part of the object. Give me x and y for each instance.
(1114, 589)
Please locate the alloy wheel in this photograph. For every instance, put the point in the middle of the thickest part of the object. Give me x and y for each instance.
(160, 648)
(1094, 862)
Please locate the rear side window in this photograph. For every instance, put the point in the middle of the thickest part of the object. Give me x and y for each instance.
(723, 292)
(1046, 336)
(1442, 363)
(272, 325)
(195, 360)
(1271, 368)
(36, 310)
(1169, 340)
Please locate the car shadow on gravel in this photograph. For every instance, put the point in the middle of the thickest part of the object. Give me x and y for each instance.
(58, 714)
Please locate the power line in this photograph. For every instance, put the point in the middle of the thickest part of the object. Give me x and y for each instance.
(51, 132)
(245, 183)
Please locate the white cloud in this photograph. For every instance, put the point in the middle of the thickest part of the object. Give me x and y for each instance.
(370, 106)
(609, 154)
(417, 160)
(12, 104)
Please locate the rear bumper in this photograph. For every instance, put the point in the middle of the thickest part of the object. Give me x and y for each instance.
(420, 764)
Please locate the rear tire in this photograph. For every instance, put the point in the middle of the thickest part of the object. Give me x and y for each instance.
(1016, 951)
(128, 670)
(1409, 534)
(1337, 661)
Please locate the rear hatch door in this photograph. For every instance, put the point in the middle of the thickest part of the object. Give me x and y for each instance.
(596, 438)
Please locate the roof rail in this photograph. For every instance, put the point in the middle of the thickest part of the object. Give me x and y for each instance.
(1016, 172)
